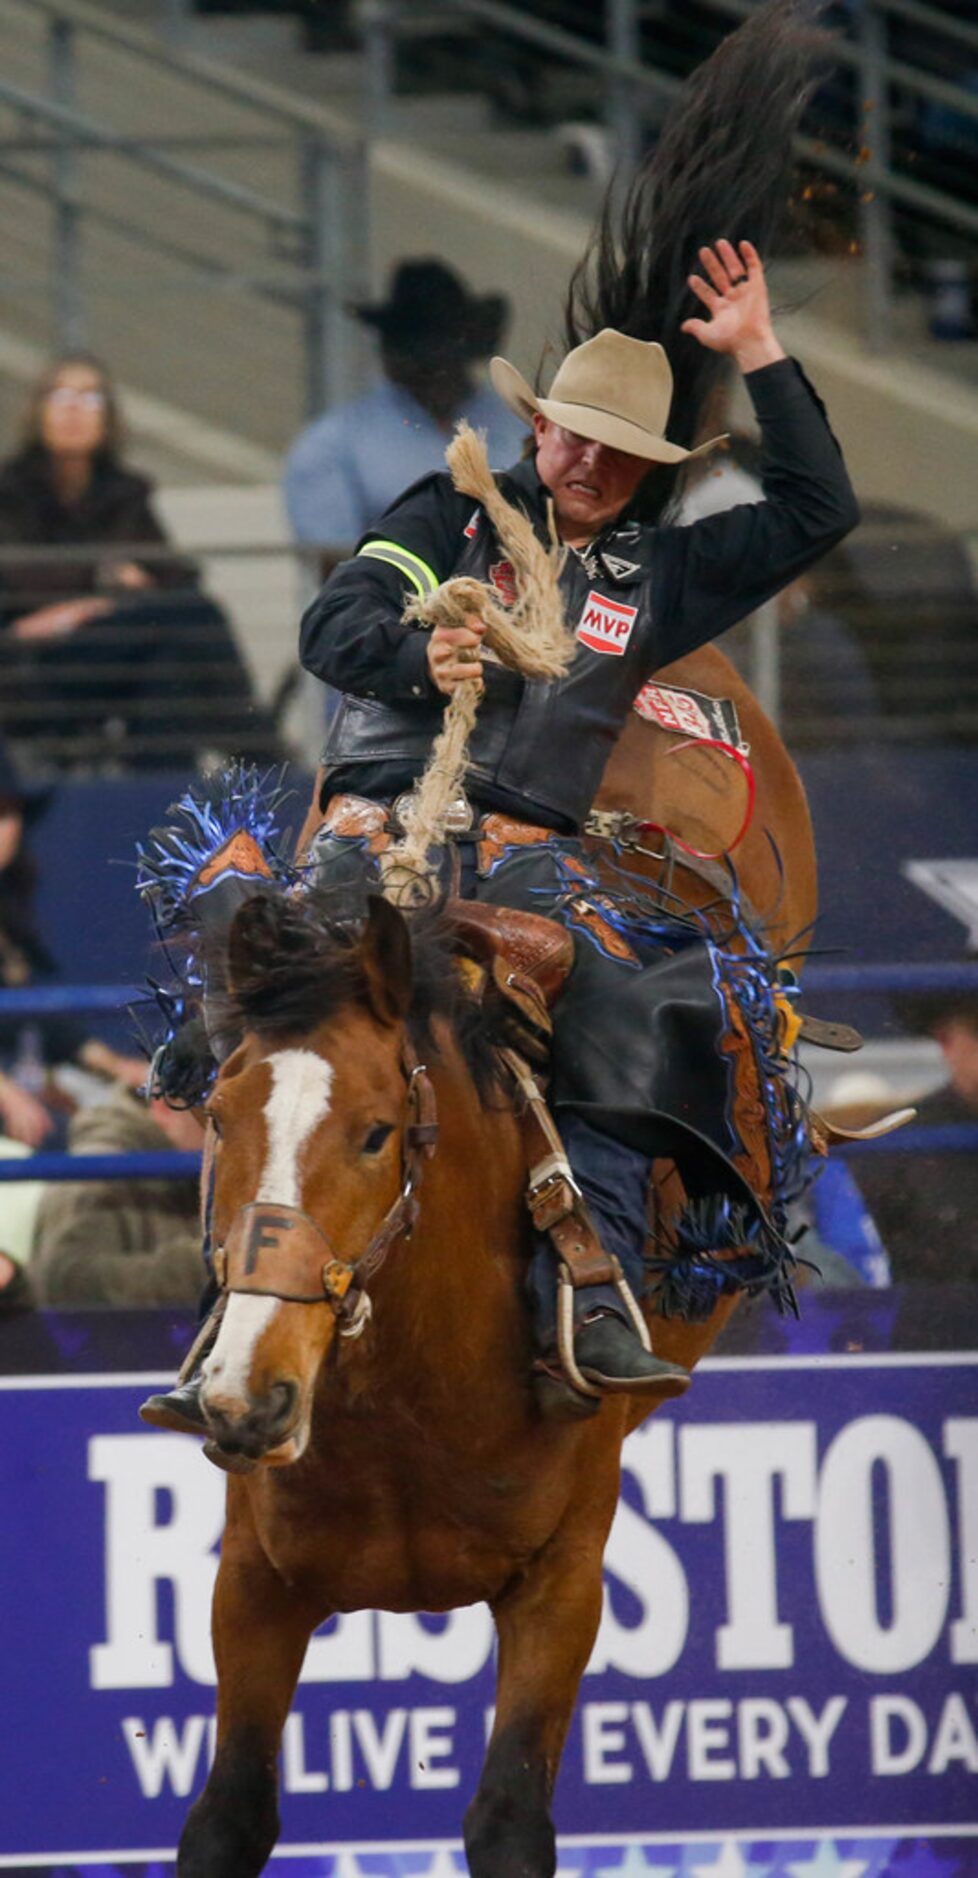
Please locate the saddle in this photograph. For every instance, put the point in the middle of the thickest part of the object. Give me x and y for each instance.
(515, 963)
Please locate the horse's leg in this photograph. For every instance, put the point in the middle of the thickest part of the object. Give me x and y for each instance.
(547, 1621)
(260, 1634)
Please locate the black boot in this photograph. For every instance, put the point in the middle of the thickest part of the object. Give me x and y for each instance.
(178, 1409)
(610, 1355)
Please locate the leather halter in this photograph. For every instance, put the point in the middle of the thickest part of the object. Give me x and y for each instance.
(281, 1252)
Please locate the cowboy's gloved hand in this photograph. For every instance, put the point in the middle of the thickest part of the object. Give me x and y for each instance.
(453, 653)
(736, 299)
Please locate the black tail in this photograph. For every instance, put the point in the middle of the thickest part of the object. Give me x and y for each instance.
(721, 167)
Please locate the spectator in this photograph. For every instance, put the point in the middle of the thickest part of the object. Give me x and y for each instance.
(347, 468)
(19, 1203)
(132, 1242)
(111, 656)
(904, 586)
(926, 1205)
(29, 1047)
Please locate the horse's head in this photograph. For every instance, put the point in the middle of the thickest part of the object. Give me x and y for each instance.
(320, 1123)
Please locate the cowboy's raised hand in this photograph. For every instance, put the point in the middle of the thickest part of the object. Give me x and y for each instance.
(736, 298)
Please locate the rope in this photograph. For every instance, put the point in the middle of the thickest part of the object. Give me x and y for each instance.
(530, 637)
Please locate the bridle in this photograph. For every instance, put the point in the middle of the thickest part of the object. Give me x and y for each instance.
(278, 1251)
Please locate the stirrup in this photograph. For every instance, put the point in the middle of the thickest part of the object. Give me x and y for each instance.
(556, 1397)
(565, 1323)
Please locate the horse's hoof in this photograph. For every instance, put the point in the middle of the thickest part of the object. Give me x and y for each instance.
(228, 1463)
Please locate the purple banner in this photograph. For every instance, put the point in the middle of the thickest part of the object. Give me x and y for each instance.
(783, 1685)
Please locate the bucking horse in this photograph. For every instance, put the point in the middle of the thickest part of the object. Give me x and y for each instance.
(369, 1167)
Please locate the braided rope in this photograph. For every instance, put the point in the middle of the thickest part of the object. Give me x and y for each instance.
(530, 637)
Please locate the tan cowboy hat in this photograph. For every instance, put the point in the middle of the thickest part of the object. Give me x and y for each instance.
(613, 389)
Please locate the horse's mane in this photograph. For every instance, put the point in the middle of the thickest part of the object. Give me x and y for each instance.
(294, 961)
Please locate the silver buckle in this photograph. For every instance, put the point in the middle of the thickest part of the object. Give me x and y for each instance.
(459, 816)
(611, 824)
(548, 1174)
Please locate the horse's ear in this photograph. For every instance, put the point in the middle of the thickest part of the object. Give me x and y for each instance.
(385, 960)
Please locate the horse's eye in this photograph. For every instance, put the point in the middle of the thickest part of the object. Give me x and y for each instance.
(376, 1138)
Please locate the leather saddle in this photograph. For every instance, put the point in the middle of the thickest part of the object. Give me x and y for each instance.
(518, 962)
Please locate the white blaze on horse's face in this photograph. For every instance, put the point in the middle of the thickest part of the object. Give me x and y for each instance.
(297, 1102)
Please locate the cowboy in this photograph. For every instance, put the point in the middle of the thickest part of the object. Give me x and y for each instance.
(638, 598)
(637, 1067)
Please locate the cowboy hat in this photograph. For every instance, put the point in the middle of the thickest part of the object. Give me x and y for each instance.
(427, 300)
(613, 389)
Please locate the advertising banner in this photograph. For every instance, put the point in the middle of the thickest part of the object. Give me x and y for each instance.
(784, 1684)
(867, 899)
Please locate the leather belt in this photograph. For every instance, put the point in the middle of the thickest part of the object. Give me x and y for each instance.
(360, 815)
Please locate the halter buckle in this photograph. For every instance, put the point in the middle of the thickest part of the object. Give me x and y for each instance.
(337, 1278)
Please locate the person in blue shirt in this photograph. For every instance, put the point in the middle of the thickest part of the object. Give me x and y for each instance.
(348, 466)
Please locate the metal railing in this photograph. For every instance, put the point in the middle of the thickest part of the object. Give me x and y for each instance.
(164, 677)
(55, 1165)
(884, 652)
(301, 249)
(634, 95)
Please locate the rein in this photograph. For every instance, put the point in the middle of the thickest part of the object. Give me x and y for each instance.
(281, 1252)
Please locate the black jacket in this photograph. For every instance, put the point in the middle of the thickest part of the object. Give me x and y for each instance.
(639, 598)
(115, 509)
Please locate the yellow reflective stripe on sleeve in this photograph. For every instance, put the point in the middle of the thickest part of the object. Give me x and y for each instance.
(422, 577)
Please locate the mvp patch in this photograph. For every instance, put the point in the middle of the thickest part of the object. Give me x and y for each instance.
(606, 625)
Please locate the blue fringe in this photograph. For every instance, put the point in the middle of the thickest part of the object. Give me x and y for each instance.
(241, 798)
(692, 1276)
(183, 1066)
(698, 1268)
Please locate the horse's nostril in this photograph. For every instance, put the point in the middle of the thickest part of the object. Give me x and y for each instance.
(282, 1398)
(261, 1427)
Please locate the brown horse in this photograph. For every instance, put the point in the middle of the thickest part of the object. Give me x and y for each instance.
(405, 1468)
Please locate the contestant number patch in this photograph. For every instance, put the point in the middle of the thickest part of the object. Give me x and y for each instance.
(690, 712)
(502, 576)
(606, 625)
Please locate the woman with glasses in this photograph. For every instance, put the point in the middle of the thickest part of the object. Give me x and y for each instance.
(67, 485)
(106, 655)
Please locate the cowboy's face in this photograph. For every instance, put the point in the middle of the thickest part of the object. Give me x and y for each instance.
(590, 483)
